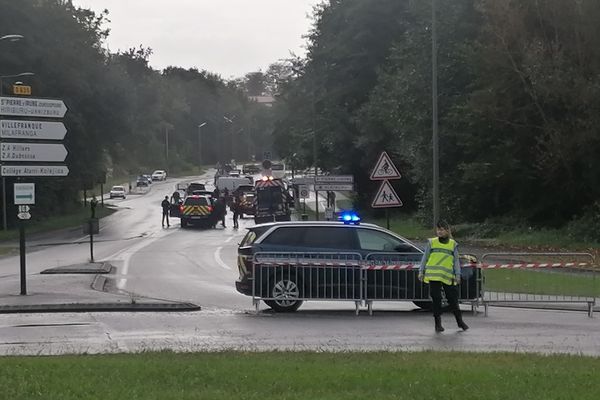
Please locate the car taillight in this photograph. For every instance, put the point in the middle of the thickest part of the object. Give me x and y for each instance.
(180, 208)
(209, 209)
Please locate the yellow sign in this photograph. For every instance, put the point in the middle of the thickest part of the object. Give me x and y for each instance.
(22, 90)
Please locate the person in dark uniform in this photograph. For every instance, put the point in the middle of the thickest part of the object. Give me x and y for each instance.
(220, 210)
(165, 211)
(440, 268)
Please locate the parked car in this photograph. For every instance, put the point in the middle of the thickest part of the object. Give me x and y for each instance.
(159, 175)
(364, 241)
(148, 178)
(117, 191)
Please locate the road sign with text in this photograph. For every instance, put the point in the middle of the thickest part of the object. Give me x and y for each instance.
(24, 152)
(334, 187)
(334, 179)
(34, 170)
(32, 130)
(24, 193)
(26, 107)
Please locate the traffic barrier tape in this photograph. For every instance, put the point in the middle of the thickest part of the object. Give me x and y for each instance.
(408, 267)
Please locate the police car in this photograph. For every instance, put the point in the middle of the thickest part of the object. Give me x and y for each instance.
(196, 210)
(367, 241)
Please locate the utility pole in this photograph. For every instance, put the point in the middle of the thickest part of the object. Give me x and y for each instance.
(434, 95)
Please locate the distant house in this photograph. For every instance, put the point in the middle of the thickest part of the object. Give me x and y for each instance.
(266, 100)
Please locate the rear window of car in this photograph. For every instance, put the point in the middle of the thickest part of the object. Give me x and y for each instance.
(118, 188)
(196, 201)
(252, 235)
(338, 238)
(330, 237)
(196, 186)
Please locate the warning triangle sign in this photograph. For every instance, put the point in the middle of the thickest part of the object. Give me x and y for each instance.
(386, 197)
(385, 169)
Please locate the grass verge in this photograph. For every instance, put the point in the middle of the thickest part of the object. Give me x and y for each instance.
(263, 376)
(71, 220)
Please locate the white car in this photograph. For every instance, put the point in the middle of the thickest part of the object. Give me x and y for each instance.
(159, 175)
(117, 191)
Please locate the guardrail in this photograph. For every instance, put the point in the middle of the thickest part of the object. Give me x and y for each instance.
(524, 278)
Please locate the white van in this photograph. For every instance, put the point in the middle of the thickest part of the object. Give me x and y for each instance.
(231, 183)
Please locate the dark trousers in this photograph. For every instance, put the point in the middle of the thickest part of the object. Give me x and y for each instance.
(165, 215)
(451, 291)
(236, 215)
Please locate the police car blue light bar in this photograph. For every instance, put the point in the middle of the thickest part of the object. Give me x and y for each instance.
(349, 217)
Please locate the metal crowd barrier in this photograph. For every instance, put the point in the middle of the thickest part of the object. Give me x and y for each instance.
(288, 277)
(525, 278)
(394, 277)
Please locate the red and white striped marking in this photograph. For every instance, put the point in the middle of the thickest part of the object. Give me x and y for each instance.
(408, 267)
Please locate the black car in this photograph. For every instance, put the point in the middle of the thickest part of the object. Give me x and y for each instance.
(365, 242)
(192, 187)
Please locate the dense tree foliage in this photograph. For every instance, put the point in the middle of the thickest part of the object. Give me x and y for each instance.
(519, 102)
(120, 109)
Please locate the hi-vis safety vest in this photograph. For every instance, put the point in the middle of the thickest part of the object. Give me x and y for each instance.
(440, 264)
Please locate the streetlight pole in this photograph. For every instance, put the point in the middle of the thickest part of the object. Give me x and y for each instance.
(11, 38)
(200, 143)
(434, 95)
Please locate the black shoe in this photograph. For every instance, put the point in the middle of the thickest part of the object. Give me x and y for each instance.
(459, 321)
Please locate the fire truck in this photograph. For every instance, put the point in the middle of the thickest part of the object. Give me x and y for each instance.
(272, 201)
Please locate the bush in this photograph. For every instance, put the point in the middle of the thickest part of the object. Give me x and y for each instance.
(585, 227)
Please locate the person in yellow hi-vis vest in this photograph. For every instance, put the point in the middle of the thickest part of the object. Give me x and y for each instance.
(440, 268)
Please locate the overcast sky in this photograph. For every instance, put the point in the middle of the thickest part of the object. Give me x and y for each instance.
(229, 37)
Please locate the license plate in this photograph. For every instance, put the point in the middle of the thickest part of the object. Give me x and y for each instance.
(197, 217)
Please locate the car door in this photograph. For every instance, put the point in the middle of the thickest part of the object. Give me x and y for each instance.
(392, 271)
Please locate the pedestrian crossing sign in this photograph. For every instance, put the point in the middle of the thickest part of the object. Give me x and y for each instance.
(386, 197)
(385, 169)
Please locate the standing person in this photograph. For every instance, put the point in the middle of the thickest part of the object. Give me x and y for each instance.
(165, 211)
(220, 211)
(237, 204)
(440, 268)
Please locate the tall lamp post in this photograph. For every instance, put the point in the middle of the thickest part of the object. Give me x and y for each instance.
(200, 143)
(434, 96)
(10, 38)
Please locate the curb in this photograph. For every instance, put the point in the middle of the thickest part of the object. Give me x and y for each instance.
(99, 307)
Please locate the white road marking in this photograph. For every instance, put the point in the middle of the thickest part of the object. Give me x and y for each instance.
(219, 259)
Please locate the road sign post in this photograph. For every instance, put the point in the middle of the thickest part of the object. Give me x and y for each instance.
(23, 268)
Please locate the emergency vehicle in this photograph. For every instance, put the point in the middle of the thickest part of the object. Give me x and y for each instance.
(272, 201)
(196, 210)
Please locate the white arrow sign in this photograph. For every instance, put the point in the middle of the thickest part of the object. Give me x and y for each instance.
(34, 170)
(386, 197)
(32, 152)
(24, 209)
(26, 107)
(32, 130)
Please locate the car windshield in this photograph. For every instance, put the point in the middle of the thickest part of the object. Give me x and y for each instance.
(118, 188)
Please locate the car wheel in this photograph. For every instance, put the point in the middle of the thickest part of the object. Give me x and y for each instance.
(284, 290)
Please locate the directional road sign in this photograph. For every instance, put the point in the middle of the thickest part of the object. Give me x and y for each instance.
(32, 152)
(24, 209)
(385, 169)
(26, 107)
(386, 197)
(335, 187)
(305, 180)
(334, 179)
(32, 130)
(24, 193)
(34, 170)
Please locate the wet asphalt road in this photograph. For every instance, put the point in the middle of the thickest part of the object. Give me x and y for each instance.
(199, 266)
